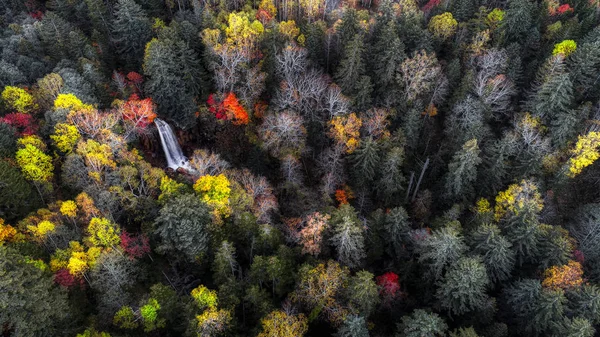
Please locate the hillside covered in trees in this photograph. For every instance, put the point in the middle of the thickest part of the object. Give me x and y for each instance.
(404, 168)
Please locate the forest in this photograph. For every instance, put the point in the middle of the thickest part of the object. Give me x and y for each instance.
(353, 168)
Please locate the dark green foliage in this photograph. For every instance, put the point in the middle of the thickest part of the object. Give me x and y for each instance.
(422, 324)
(131, 29)
(518, 19)
(182, 226)
(350, 74)
(391, 182)
(584, 302)
(535, 308)
(363, 293)
(397, 228)
(387, 54)
(555, 247)
(168, 63)
(552, 100)
(348, 237)
(463, 287)
(495, 250)
(8, 140)
(576, 327)
(463, 10)
(354, 326)
(462, 171)
(17, 196)
(32, 305)
(438, 174)
(365, 160)
(442, 248)
(583, 64)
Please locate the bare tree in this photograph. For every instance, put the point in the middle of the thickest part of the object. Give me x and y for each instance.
(283, 133)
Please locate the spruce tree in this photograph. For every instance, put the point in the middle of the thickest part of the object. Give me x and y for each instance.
(350, 74)
(166, 83)
(584, 302)
(495, 250)
(182, 226)
(132, 30)
(440, 249)
(32, 304)
(463, 287)
(387, 54)
(365, 160)
(397, 228)
(354, 326)
(391, 180)
(462, 171)
(422, 324)
(348, 236)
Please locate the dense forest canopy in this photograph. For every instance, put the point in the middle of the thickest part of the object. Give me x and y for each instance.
(405, 168)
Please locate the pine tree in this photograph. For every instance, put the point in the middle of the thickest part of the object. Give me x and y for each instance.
(31, 303)
(443, 247)
(352, 68)
(397, 228)
(462, 171)
(182, 226)
(365, 160)
(348, 236)
(132, 30)
(495, 250)
(463, 287)
(422, 324)
(363, 293)
(166, 85)
(584, 302)
(354, 326)
(387, 55)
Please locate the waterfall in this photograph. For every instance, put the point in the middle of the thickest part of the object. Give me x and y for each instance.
(175, 157)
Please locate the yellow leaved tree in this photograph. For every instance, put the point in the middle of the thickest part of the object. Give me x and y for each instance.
(585, 153)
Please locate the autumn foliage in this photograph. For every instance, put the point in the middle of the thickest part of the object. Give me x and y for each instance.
(564, 277)
(135, 246)
(24, 123)
(344, 195)
(389, 286)
(138, 111)
(229, 109)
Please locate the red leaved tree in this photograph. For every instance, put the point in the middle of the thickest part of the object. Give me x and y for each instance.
(24, 123)
(64, 278)
(229, 109)
(137, 114)
(134, 246)
(389, 286)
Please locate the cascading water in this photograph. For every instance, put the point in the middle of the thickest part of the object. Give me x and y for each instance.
(175, 157)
